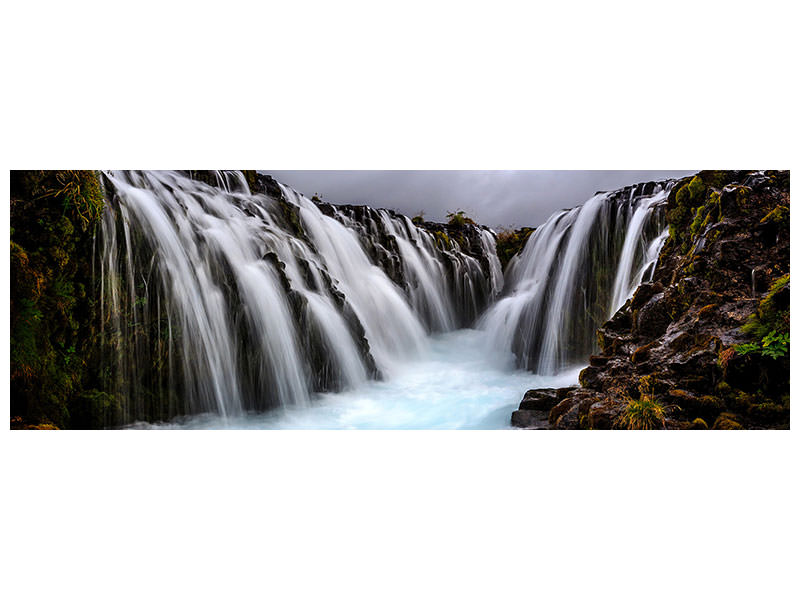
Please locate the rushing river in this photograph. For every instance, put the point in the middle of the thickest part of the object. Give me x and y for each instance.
(221, 307)
(454, 384)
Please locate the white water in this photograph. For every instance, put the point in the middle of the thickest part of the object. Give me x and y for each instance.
(253, 303)
(454, 384)
(574, 273)
(248, 310)
(630, 274)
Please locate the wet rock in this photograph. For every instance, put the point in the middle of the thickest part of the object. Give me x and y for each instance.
(529, 419)
(653, 319)
(641, 354)
(679, 333)
(598, 361)
(604, 414)
(727, 421)
(644, 293)
(572, 411)
(543, 399)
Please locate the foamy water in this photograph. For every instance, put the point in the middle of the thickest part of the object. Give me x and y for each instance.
(457, 382)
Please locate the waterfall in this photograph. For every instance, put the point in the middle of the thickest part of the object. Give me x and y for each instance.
(218, 300)
(574, 273)
(214, 299)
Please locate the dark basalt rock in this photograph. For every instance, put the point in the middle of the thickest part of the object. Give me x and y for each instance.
(529, 419)
(539, 400)
(535, 409)
(674, 342)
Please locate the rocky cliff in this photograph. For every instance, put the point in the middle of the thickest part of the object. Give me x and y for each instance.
(705, 344)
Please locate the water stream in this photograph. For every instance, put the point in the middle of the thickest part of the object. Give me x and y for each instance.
(224, 308)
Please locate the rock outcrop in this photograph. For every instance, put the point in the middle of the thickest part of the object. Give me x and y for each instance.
(704, 344)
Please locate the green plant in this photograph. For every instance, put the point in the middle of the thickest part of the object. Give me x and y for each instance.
(510, 242)
(775, 344)
(54, 216)
(772, 345)
(769, 325)
(459, 218)
(644, 413)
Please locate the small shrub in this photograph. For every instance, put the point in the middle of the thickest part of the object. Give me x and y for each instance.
(459, 219)
(770, 323)
(644, 413)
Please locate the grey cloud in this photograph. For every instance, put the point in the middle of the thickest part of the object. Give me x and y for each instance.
(494, 198)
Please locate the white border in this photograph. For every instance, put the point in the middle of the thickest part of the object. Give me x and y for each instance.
(357, 85)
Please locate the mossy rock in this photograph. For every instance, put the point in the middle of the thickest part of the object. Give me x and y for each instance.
(769, 413)
(773, 311)
(54, 215)
(707, 311)
(777, 216)
(724, 390)
(727, 421)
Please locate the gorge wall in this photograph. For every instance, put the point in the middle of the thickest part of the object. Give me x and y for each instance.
(227, 292)
(705, 343)
(144, 296)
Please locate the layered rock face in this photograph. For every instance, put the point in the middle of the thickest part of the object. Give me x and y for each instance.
(227, 292)
(704, 344)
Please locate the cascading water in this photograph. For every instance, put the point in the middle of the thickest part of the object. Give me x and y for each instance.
(220, 303)
(217, 300)
(574, 273)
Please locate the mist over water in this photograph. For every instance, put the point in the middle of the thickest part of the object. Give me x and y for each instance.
(454, 383)
(221, 308)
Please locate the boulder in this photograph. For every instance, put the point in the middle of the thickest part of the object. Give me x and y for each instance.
(543, 399)
(529, 419)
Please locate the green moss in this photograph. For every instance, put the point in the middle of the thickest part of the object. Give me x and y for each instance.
(769, 325)
(53, 216)
(699, 215)
(707, 311)
(727, 421)
(767, 413)
(687, 212)
(710, 404)
(698, 424)
(778, 215)
(510, 242)
(780, 179)
(724, 389)
(442, 240)
(741, 401)
(696, 188)
(252, 180)
(716, 179)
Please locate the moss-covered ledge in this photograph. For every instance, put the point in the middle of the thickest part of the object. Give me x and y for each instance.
(54, 215)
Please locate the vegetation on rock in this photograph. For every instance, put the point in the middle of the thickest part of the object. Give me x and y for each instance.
(510, 242)
(459, 218)
(53, 219)
(710, 332)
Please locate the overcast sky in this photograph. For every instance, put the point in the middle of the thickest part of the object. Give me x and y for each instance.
(494, 198)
